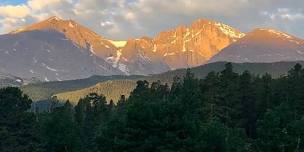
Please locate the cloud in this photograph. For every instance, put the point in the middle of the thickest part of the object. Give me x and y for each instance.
(17, 11)
(39, 4)
(120, 19)
(285, 13)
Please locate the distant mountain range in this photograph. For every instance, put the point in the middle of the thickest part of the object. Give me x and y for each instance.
(57, 49)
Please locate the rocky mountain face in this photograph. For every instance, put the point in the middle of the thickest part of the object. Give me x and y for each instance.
(10, 80)
(263, 45)
(194, 45)
(57, 49)
(182, 47)
(48, 55)
(80, 35)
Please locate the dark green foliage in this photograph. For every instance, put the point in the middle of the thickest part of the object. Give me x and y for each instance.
(91, 112)
(60, 132)
(225, 112)
(17, 127)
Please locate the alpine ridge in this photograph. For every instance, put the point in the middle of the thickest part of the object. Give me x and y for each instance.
(48, 55)
(263, 45)
(188, 46)
(181, 47)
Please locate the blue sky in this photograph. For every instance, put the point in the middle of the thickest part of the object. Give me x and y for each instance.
(121, 19)
(12, 2)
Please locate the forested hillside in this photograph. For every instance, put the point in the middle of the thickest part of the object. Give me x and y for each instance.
(44, 90)
(113, 89)
(223, 112)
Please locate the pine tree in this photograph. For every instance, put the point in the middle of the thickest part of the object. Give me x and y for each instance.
(248, 111)
(60, 132)
(210, 95)
(17, 126)
(229, 81)
(91, 112)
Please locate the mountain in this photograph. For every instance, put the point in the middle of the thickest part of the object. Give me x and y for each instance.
(263, 45)
(78, 34)
(181, 47)
(48, 55)
(10, 80)
(43, 91)
(105, 49)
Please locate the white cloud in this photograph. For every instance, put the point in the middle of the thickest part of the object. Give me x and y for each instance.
(18, 11)
(39, 4)
(118, 19)
(285, 13)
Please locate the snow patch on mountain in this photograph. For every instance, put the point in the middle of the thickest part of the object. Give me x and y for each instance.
(114, 60)
(154, 48)
(229, 31)
(71, 25)
(92, 50)
(169, 54)
(51, 69)
(118, 54)
(118, 44)
(54, 18)
(184, 47)
(46, 79)
(35, 60)
(19, 80)
(124, 68)
(278, 33)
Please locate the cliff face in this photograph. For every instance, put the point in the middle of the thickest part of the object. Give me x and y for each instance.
(194, 45)
(183, 46)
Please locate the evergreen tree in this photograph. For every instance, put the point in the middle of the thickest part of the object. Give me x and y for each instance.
(17, 126)
(264, 94)
(60, 132)
(91, 112)
(248, 111)
(229, 81)
(210, 95)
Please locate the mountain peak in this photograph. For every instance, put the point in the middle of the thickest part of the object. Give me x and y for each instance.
(54, 18)
(263, 45)
(53, 22)
(271, 32)
(226, 29)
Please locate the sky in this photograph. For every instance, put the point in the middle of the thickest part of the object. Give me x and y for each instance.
(123, 19)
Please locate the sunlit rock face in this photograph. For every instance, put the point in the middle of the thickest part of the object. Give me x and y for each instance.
(263, 45)
(181, 47)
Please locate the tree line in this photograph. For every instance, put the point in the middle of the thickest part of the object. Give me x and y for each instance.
(224, 112)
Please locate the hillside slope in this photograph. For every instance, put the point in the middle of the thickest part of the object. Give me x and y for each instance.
(44, 90)
(115, 88)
